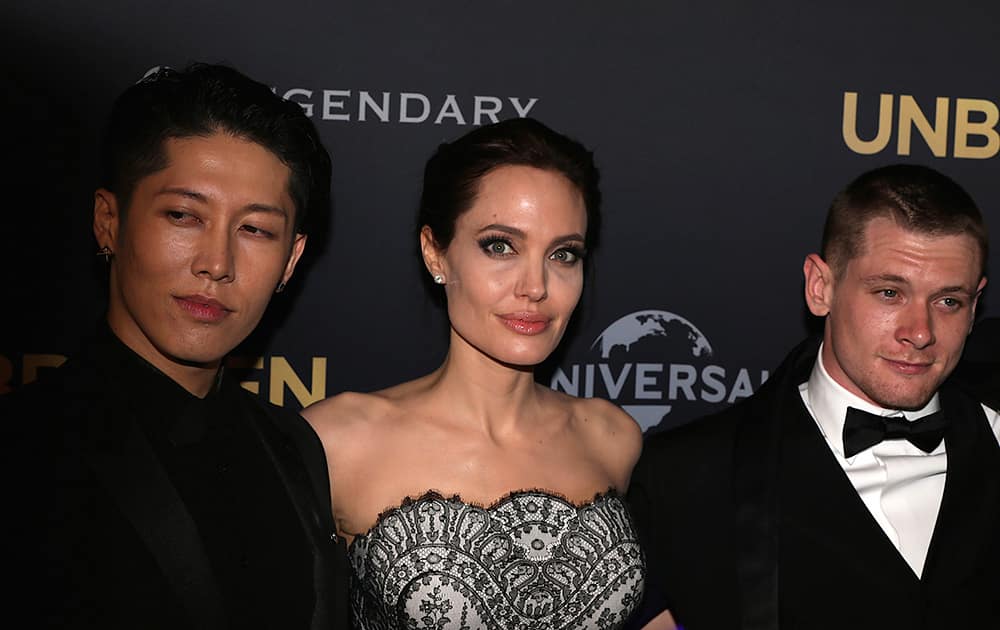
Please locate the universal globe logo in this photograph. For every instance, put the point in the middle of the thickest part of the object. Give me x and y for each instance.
(652, 361)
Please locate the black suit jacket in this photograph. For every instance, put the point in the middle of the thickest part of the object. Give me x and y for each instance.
(749, 522)
(979, 371)
(105, 536)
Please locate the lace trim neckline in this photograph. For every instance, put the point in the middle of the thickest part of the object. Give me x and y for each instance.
(434, 495)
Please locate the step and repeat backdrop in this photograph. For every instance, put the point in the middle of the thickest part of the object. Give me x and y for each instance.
(722, 131)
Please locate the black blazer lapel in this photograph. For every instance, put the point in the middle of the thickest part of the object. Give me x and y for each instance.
(127, 467)
(298, 458)
(756, 457)
(969, 517)
(836, 531)
(795, 507)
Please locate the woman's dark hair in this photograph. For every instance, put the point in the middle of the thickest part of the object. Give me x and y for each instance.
(201, 100)
(453, 173)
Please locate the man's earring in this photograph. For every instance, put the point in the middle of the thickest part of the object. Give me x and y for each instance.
(281, 287)
(438, 279)
(106, 252)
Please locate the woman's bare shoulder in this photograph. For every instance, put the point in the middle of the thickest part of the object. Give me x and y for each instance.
(347, 413)
(340, 407)
(613, 435)
(608, 419)
(352, 412)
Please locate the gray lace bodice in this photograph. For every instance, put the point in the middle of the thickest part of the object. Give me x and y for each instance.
(530, 561)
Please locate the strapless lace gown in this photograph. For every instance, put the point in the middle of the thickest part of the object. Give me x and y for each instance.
(530, 561)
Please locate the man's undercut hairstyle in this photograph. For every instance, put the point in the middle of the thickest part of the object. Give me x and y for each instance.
(201, 100)
(917, 198)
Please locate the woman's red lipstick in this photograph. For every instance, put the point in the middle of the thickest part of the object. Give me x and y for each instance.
(526, 323)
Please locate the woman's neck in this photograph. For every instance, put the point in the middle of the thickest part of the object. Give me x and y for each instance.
(496, 395)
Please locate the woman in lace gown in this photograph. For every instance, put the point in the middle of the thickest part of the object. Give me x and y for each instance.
(474, 497)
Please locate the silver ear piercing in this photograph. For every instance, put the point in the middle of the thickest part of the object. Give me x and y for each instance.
(106, 252)
(438, 279)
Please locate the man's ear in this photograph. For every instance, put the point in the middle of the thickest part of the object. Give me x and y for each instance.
(979, 292)
(107, 219)
(975, 302)
(819, 281)
(432, 255)
(298, 246)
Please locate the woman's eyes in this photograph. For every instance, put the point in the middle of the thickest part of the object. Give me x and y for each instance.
(567, 255)
(501, 246)
(495, 246)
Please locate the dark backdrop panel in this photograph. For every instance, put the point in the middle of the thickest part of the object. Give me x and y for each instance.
(718, 130)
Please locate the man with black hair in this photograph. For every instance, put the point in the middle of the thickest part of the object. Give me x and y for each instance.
(162, 494)
(859, 487)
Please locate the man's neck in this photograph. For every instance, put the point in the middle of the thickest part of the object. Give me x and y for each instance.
(197, 378)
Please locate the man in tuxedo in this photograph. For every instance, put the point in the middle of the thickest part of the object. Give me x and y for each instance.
(153, 491)
(859, 487)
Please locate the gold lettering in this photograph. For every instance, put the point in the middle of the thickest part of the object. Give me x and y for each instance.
(247, 363)
(850, 125)
(32, 362)
(910, 115)
(986, 128)
(282, 374)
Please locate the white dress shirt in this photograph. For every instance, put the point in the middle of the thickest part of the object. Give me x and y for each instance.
(900, 484)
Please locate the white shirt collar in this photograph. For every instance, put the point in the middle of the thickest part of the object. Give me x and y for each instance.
(829, 401)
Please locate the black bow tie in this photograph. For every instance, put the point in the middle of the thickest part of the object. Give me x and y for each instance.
(863, 430)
